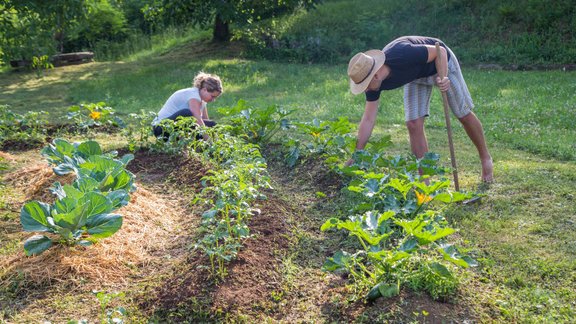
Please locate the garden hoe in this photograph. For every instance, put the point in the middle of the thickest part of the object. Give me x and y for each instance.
(443, 72)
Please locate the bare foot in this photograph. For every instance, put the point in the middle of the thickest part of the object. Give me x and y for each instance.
(487, 171)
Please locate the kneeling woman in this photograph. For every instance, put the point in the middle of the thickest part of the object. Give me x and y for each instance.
(191, 102)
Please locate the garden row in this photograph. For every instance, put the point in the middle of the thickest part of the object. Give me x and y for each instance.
(402, 237)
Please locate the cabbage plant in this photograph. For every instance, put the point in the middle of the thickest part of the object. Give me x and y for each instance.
(79, 218)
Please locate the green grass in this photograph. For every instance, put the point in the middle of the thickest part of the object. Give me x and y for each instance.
(523, 230)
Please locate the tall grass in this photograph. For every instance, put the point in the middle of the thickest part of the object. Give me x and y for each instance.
(139, 45)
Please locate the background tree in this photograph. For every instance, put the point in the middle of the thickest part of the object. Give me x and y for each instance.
(223, 13)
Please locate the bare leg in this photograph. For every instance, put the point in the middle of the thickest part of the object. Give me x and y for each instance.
(474, 129)
(418, 141)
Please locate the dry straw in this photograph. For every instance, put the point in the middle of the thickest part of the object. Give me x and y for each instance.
(149, 222)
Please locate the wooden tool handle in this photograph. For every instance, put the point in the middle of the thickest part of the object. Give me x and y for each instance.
(442, 70)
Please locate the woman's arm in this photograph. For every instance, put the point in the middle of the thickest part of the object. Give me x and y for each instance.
(196, 108)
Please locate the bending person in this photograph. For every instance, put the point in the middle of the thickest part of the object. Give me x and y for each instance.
(191, 102)
(411, 62)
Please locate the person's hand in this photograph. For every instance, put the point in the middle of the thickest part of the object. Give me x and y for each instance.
(443, 84)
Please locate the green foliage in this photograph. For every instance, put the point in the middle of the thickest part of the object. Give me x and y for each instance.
(89, 115)
(397, 227)
(139, 130)
(256, 125)
(23, 33)
(29, 128)
(222, 13)
(231, 190)
(82, 214)
(331, 140)
(76, 219)
(103, 22)
(39, 64)
(110, 316)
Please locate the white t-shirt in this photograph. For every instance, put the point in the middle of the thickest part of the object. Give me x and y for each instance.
(179, 101)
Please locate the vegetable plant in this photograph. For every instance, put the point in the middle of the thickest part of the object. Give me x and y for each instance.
(402, 235)
(27, 128)
(256, 125)
(83, 211)
(79, 218)
(89, 115)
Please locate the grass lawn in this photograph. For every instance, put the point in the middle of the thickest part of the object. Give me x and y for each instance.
(523, 232)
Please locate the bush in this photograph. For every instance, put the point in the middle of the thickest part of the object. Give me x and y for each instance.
(521, 32)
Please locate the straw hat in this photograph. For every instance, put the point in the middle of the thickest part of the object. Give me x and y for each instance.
(362, 68)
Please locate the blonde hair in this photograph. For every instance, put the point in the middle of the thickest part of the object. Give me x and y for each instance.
(209, 81)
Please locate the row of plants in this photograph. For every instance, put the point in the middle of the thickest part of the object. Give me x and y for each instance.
(32, 128)
(397, 219)
(83, 211)
(236, 180)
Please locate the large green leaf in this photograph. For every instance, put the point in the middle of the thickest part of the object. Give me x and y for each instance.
(37, 244)
(95, 203)
(65, 205)
(118, 198)
(86, 184)
(383, 289)
(104, 225)
(33, 217)
(340, 260)
(71, 219)
(89, 148)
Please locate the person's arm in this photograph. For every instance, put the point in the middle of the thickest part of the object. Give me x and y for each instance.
(444, 83)
(205, 115)
(367, 124)
(196, 108)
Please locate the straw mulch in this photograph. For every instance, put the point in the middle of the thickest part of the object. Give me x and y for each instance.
(149, 222)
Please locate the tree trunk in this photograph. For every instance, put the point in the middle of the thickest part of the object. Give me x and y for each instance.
(221, 30)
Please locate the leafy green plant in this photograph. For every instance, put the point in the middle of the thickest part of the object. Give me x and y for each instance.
(229, 190)
(89, 115)
(256, 125)
(29, 128)
(403, 240)
(82, 214)
(139, 131)
(79, 218)
(67, 157)
(110, 316)
(329, 139)
(40, 64)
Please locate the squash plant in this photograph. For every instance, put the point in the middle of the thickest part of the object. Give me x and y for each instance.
(256, 125)
(400, 232)
(94, 114)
